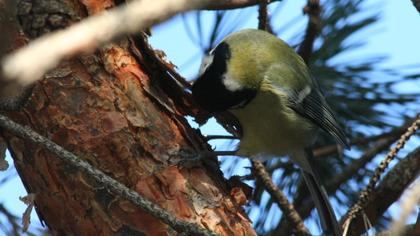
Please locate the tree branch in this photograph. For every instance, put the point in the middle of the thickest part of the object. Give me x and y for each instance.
(408, 205)
(3, 147)
(313, 10)
(288, 209)
(383, 142)
(12, 220)
(111, 184)
(365, 194)
(388, 191)
(356, 165)
(263, 19)
(305, 204)
(31, 62)
(326, 150)
(234, 4)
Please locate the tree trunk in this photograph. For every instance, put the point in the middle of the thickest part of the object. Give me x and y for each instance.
(117, 110)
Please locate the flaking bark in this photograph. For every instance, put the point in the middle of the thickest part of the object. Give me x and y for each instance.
(111, 109)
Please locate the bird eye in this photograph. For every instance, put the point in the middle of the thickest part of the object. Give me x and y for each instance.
(207, 60)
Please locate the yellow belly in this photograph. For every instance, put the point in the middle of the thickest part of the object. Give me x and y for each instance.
(272, 129)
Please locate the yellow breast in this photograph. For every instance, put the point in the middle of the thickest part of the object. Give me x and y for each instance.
(270, 128)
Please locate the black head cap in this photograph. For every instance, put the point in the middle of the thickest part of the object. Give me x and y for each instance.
(209, 90)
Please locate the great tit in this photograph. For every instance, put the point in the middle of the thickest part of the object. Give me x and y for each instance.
(267, 86)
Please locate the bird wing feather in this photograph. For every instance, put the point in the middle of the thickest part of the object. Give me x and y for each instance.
(304, 97)
(312, 105)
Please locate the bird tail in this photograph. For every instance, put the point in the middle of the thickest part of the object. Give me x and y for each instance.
(329, 223)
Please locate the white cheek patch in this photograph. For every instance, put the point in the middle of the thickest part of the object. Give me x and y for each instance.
(207, 60)
(231, 84)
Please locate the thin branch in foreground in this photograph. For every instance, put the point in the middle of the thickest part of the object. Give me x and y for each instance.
(408, 205)
(330, 149)
(281, 199)
(233, 4)
(382, 143)
(3, 148)
(313, 10)
(302, 200)
(111, 184)
(389, 190)
(263, 22)
(30, 63)
(364, 195)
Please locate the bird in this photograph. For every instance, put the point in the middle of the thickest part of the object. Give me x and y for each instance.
(279, 105)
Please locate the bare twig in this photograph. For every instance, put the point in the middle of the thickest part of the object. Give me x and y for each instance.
(233, 4)
(281, 199)
(12, 220)
(213, 137)
(280, 164)
(313, 10)
(356, 165)
(31, 62)
(382, 143)
(304, 206)
(3, 147)
(326, 150)
(263, 15)
(111, 184)
(388, 191)
(408, 205)
(364, 195)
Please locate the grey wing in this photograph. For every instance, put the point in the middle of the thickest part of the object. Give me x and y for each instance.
(312, 105)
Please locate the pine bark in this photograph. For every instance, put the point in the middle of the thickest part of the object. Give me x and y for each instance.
(116, 109)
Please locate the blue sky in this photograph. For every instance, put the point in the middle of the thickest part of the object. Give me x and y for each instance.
(391, 36)
(395, 36)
